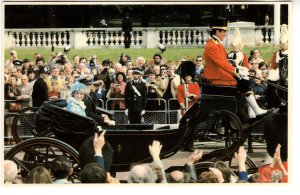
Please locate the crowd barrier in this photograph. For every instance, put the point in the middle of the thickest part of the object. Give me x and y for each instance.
(167, 112)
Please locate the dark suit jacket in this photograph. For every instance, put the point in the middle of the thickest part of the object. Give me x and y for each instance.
(126, 25)
(90, 110)
(132, 100)
(39, 92)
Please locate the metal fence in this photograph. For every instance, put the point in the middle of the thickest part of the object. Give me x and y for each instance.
(167, 113)
(157, 116)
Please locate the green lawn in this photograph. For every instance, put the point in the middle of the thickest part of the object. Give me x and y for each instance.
(172, 54)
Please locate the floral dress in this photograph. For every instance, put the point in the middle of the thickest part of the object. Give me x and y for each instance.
(76, 107)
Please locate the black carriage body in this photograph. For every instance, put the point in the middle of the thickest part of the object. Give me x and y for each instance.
(130, 143)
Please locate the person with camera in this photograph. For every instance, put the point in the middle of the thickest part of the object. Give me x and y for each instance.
(93, 63)
(67, 89)
(104, 75)
(170, 82)
(153, 92)
(82, 69)
(135, 98)
(117, 90)
(12, 57)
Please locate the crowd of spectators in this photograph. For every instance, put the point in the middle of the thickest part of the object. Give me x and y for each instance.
(109, 77)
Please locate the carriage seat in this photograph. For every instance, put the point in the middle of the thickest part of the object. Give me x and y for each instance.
(220, 97)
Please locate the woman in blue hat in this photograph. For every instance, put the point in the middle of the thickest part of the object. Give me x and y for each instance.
(76, 103)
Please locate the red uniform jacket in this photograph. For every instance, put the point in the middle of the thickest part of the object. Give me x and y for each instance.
(245, 61)
(218, 70)
(193, 88)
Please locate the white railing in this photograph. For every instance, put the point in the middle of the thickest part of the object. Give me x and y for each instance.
(177, 37)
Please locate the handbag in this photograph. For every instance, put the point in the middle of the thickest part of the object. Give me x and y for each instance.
(15, 107)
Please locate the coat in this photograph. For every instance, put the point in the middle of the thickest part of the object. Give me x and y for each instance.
(126, 25)
(39, 92)
(76, 107)
(218, 70)
(134, 101)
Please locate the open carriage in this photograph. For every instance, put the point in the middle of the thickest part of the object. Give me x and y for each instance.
(216, 117)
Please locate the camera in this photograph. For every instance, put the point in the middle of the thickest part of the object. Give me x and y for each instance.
(62, 59)
(92, 63)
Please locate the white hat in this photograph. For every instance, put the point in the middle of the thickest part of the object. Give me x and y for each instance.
(284, 34)
(237, 39)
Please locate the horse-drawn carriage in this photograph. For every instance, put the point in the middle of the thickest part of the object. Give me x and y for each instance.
(218, 116)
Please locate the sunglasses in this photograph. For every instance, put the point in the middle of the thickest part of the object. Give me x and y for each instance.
(253, 63)
(198, 60)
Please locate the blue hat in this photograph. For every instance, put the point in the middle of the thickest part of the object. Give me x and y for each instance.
(79, 87)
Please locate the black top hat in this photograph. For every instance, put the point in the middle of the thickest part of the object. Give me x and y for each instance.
(43, 70)
(137, 70)
(17, 62)
(121, 73)
(187, 68)
(219, 23)
(86, 79)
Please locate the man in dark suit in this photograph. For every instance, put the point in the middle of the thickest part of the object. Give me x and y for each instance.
(127, 30)
(40, 89)
(135, 97)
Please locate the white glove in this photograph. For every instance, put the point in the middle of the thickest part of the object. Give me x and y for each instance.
(112, 123)
(243, 72)
(143, 112)
(126, 112)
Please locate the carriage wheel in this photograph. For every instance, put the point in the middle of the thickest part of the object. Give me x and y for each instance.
(224, 128)
(41, 151)
(23, 126)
